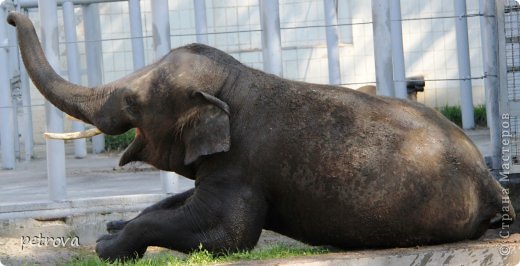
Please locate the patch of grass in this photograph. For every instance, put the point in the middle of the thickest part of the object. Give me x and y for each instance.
(119, 142)
(480, 115)
(454, 114)
(204, 257)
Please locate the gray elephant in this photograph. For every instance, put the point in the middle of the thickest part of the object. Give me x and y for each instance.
(322, 164)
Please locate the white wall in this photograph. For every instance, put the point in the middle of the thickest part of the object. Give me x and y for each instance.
(429, 44)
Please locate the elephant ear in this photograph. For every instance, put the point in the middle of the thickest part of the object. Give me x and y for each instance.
(205, 128)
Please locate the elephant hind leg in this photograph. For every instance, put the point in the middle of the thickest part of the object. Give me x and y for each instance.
(497, 208)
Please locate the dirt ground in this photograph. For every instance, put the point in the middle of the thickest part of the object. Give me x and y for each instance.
(12, 254)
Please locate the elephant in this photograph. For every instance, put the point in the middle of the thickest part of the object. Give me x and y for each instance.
(321, 164)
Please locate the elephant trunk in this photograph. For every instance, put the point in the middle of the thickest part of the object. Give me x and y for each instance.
(78, 101)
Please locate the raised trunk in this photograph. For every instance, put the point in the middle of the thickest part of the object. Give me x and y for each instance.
(78, 101)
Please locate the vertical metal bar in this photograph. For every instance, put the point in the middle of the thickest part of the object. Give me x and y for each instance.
(331, 21)
(14, 74)
(382, 51)
(136, 33)
(6, 105)
(161, 26)
(93, 49)
(504, 107)
(397, 50)
(271, 41)
(161, 43)
(201, 27)
(489, 41)
(55, 148)
(80, 145)
(27, 133)
(466, 93)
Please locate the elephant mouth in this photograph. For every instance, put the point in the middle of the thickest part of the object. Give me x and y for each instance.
(131, 154)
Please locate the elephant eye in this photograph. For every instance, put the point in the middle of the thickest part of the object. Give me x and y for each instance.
(131, 105)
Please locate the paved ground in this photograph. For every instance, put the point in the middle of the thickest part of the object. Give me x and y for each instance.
(94, 176)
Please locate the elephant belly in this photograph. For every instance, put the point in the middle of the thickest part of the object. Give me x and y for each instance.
(375, 217)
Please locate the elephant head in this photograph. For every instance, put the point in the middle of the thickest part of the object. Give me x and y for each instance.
(173, 103)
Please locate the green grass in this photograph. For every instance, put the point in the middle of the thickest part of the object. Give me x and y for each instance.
(204, 257)
(119, 142)
(454, 114)
(480, 115)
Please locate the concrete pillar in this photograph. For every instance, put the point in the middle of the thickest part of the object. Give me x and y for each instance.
(161, 44)
(397, 50)
(331, 21)
(55, 148)
(466, 93)
(200, 21)
(13, 74)
(382, 49)
(27, 132)
(92, 28)
(136, 33)
(6, 105)
(80, 145)
(490, 59)
(161, 26)
(271, 41)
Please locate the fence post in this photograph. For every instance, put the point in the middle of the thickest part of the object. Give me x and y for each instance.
(382, 51)
(271, 41)
(161, 44)
(54, 117)
(331, 21)
(201, 26)
(27, 132)
(466, 93)
(397, 50)
(15, 82)
(6, 105)
(489, 39)
(136, 33)
(27, 123)
(80, 145)
(92, 28)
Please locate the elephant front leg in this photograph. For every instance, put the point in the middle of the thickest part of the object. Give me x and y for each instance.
(221, 220)
(171, 202)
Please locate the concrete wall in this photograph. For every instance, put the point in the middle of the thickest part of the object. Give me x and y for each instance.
(429, 44)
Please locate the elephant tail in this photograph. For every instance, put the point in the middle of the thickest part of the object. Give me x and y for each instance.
(506, 215)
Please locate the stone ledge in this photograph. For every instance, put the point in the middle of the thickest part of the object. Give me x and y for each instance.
(478, 252)
(49, 209)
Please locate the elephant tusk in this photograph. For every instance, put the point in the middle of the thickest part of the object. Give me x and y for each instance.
(73, 135)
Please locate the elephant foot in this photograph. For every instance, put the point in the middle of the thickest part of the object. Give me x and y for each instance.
(113, 227)
(110, 248)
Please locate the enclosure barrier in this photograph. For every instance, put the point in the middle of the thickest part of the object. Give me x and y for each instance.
(389, 62)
